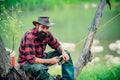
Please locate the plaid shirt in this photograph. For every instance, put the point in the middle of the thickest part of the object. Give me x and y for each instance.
(31, 47)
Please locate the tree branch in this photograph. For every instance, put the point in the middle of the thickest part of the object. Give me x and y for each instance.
(85, 53)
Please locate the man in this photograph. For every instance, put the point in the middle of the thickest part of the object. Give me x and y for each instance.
(33, 58)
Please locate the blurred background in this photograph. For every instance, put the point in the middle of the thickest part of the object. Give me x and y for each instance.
(72, 20)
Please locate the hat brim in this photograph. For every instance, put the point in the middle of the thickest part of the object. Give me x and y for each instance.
(48, 25)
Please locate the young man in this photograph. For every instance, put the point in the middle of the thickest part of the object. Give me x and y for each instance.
(33, 58)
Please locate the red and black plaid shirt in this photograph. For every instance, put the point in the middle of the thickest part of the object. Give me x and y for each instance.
(31, 47)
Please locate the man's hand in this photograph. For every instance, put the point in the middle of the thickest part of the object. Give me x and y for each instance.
(65, 56)
(54, 60)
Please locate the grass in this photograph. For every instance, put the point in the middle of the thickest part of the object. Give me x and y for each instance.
(100, 72)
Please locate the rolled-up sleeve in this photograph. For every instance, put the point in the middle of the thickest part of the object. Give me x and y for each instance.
(53, 42)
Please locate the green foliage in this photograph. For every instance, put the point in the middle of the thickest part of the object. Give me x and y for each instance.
(42, 4)
(115, 0)
(100, 72)
(45, 4)
(9, 24)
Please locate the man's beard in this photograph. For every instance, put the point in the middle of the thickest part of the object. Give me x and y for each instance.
(42, 35)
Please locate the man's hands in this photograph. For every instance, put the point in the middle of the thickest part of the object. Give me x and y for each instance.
(54, 60)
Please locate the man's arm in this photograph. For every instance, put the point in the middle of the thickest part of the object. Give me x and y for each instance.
(53, 43)
(53, 60)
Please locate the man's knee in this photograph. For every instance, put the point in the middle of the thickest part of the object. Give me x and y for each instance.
(70, 59)
(40, 71)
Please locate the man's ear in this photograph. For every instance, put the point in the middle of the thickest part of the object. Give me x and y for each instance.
(36, 26)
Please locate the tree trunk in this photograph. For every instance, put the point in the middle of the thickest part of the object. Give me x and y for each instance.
(6, 68)
(86, 53)
(5, 62)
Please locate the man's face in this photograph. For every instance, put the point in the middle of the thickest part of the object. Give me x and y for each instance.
(42, 28)
(42, 31)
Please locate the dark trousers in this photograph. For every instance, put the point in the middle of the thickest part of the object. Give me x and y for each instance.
(40, 70)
